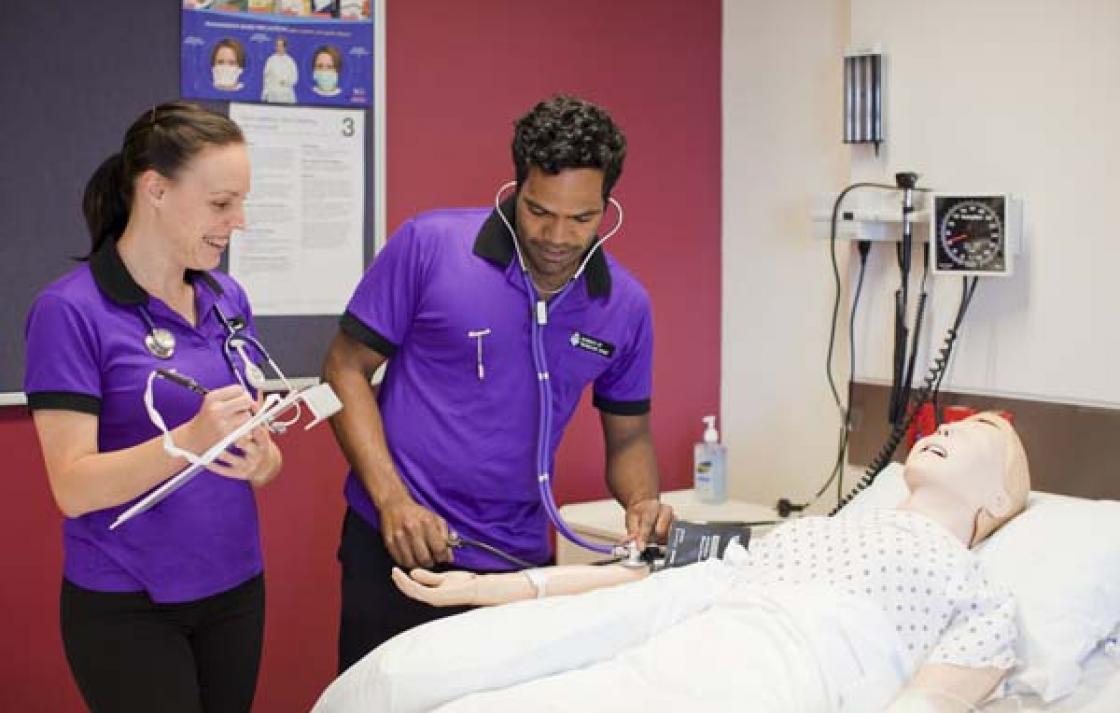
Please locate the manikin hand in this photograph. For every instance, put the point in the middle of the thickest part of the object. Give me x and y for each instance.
(440, 589)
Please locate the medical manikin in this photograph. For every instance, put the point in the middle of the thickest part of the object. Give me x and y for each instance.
(894, 599)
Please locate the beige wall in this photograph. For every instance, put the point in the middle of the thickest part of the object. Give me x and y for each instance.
(1001, 95)
(781, 104)
(1019, 96)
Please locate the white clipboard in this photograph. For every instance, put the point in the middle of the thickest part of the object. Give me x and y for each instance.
(322, 401)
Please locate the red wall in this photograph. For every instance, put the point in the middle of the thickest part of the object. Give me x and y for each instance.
(458, 75)
(455, 88)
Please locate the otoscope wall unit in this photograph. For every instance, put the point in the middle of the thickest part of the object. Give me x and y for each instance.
(872, 214)
(973, 233)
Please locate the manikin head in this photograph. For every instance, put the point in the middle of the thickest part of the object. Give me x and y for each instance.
(977, 464)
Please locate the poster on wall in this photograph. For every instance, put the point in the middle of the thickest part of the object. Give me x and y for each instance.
(301, 250)
(309, 52)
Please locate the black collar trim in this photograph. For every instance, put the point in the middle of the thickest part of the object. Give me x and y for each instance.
(495, 244)
(113, 278)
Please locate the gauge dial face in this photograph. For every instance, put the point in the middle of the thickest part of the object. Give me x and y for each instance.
(971, 235)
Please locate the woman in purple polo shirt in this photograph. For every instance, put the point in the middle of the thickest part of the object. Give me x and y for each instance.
(166, 612)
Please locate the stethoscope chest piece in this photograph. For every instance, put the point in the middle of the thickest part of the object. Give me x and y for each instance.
(253, 373)
(254, 376)
(160, 342)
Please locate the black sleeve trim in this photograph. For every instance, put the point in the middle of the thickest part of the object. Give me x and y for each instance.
(621, 408)
(354, 328)
(64, 401)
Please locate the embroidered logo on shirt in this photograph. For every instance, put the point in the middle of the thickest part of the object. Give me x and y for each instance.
(591, 344)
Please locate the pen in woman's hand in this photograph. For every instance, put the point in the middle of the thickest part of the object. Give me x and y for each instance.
(183, 380)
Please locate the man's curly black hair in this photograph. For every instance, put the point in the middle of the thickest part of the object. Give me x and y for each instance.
(568, 132)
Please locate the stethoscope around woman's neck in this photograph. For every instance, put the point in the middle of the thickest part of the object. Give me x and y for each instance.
(160, 343)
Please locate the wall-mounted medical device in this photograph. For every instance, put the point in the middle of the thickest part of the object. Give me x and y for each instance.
(974, 234)
(874, 215)
(863, 97)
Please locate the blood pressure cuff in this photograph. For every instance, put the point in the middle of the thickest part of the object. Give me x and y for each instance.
(691, 542)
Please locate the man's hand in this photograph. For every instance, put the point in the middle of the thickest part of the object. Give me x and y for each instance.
(648, 521)
(414, 535)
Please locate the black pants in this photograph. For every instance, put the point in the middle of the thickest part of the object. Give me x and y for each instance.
(128, 653)
(373, 609)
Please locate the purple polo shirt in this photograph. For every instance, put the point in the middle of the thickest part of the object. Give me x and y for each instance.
(464, 445)
(85, 352)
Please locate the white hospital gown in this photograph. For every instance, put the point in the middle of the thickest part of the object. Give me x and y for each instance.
(927, 582)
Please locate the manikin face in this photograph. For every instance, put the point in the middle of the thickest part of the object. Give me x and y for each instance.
(204, 204)
(557, 219)
(970, 461)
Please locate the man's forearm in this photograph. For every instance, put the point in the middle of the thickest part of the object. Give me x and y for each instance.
(361, 435)
(632, 470)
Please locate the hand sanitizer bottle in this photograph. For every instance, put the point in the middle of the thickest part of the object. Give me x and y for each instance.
(709, 465)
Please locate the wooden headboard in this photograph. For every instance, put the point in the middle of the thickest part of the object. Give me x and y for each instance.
(1073, 450)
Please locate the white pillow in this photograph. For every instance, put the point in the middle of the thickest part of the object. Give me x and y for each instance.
(887, 490)
(1061, 558)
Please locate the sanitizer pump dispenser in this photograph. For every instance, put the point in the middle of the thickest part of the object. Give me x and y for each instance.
(709, 465)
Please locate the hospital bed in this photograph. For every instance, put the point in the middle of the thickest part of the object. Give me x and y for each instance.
(1062, 560)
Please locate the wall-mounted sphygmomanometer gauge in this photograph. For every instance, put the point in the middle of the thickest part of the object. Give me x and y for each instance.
(971, 234)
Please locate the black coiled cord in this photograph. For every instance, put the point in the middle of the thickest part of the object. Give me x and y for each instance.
(932, 380)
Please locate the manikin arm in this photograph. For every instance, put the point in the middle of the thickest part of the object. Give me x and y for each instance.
(456, 588)
(945, 688)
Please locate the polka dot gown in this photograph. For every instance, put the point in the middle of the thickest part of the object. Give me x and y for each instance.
(930, 585)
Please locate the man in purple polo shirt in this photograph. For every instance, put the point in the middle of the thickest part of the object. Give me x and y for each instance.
(449, 441)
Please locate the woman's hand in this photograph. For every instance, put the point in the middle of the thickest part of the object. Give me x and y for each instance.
(254, 458)
(222, 411)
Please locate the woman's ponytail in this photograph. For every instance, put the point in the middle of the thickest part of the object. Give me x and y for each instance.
(163, 138)
(104, 203)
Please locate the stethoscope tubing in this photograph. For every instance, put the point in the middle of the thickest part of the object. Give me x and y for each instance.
(166, 350)
(540, 364)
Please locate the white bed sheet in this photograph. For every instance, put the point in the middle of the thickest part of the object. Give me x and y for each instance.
(1098, 692)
